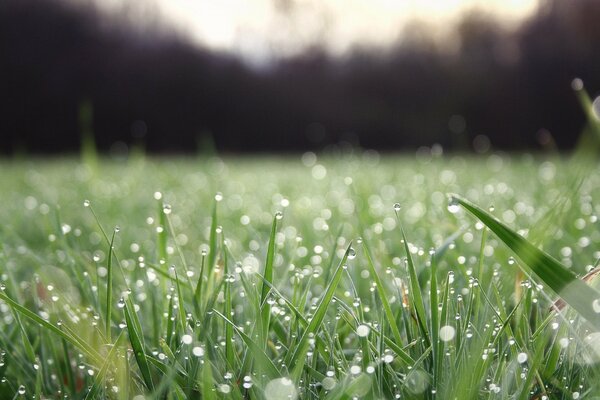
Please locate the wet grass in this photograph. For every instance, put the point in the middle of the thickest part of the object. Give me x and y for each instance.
(347, 276)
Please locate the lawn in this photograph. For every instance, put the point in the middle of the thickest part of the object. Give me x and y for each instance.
(334, 276)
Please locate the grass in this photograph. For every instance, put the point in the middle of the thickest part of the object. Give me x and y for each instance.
(301, 278)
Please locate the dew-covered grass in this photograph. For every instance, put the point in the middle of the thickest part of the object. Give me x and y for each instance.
(289, 277)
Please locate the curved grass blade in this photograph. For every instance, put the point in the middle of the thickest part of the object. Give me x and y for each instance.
(297, 359)
(99, 380)
(75, 341)
(212, 240)
(109, 279)
(255, 350)
(415, 289)
(556, 276)
(265, 310)
(207, 382)
(137, 342)
(389, 314)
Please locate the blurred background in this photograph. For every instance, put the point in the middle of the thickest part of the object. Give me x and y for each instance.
(234, 76)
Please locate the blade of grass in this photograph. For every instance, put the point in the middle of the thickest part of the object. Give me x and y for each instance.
(415, 289)
(254, 349)
(265, 311)
(75, 341)
(383, 296)
(99, 380)
(137, 342)
(296, 361)
(109, 284)
(556, 276)
(212, 240)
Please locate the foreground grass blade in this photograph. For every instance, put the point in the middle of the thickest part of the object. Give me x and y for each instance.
(297, 359)
(212, 241)
(77, 342)
(99, 380)
(265, 310)
(109, 284)
(415, 290)
(137, 342)
(389, 314)
(556, 276)
(255, 350)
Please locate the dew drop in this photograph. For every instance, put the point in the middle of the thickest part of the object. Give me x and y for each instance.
(522, 358)
(186, 339)
(596, 305)
(328, 383)
(86, 203)
(355, 369)
(278, 215)
(21, 390)
(447, 333)
(218, 196)
(281, 389)
(198, 351)
(397, 207)
(224, 388)
(121, 303)
(363, 330)
(453, 205)
(167, 209)
(351, 253)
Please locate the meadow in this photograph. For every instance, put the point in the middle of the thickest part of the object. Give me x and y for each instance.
(340, 276)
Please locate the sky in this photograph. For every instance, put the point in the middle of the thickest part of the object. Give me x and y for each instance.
(262, 29)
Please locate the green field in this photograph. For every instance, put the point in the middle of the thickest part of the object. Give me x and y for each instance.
(288, 277)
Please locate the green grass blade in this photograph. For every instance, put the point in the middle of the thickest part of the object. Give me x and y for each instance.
(265, 308)
(109, 284)
(137, 342)
(77, 342)
(389, 314)
(161, 232)
(212, 240)
(180, 303)
(207, 382)
(297, 359)
(99, 380)
(435, 322)
(255, 350)
(556, 276)
(415, 291)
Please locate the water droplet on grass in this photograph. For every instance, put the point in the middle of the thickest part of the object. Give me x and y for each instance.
(447, 333)
(355, 369)
(522, 358)
(21, 390)
(224, 388)
(278, 215)
(453, 205)
(218, 196)
(363, 330)
(186, 339)
(198, 351)
(596, 305)
(328, 383)
(86, 203)
(351, 253)
(397, 207)
(281, 389)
